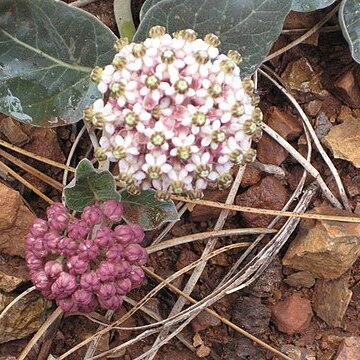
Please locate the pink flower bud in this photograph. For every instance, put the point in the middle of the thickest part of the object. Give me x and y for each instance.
(90, 281)
(124, 234)
(138, 233)
(82, 296)
(115, 253)
(122, 269)
(123, 286)
(88, 308)
(78, 229)
(76, 265)
(106, 271)
(88, 250)
(58, 221)
(38, 248)
(110, 303)
(56, 208)
(113, 210)
(134, 253)
(51, 241)
(40, 280)
(92, 215)
(53, 269)
(33, 262)
(39, 227)
(64, 285)
(105, 237)
(67, 246)
(30, 239)
(67, 305)
(106, 291)
(136, 276)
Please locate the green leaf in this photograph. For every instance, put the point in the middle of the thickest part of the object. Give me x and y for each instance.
(310, 5)
(88, 186)
(48, 49)
(146, 7)
(248, 26)
(146, 210)
(349, 18)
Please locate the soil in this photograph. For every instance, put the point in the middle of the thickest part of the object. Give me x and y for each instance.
(329, 56)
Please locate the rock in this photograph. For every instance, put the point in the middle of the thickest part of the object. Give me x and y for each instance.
(297, 353)
(24, 318)
(11, 129)
(270, 152)
(268, 281)
(204, 321)
(331, 299)
(349, 349)
(302, 279)
(129, 322)
(322, 125)
(287, 125)
(13, 272)
(185, 258)
(343, 140)
(10, 201)
(347, 89)
(251, 176)
(204, 213)
(12, 239)
(44, 142)
(292, 315)
(203, 351)
(325, 248)
(313, 107)
(270, 193)
(301, 79)
(254, 317)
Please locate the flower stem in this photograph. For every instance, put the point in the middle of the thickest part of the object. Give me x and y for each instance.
(124, 19)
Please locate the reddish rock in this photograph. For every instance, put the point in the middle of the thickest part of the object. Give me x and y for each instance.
(349, 349)
(129, 322)
(270, 152)
(269, 194)
(287, 125)
(10, 202)
(185, 258)
(251, 176)
(348, 90)
(11, 129)
(313, 107)
(12, 239)
(204, 321)
(292, 315)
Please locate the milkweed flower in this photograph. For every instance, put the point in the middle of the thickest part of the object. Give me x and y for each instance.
(85, 263)
(177, 115)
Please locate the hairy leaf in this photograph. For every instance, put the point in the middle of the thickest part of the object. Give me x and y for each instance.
(89, 186)
(146, 210)
(248, 26)
(48, 49)
(310, 5)
(146, 7)
(349, 17)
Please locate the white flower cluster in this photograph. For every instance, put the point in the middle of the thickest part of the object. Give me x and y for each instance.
(176, 114)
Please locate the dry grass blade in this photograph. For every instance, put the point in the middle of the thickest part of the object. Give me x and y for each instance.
(25, 182)
(207, 235)
(152, 293)
(58, 312)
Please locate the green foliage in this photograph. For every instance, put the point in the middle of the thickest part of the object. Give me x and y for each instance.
(310, 5)
(248, 26)
(146, 210)
(89, 186)
(47, 52)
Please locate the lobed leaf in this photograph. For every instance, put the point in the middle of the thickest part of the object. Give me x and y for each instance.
(146, 210)
(48, 49)
(349, 18)
(88, 186)
(310, 5)
(248, 26)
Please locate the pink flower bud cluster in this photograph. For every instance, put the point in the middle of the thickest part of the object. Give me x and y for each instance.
(177, 115)
(85, 263)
